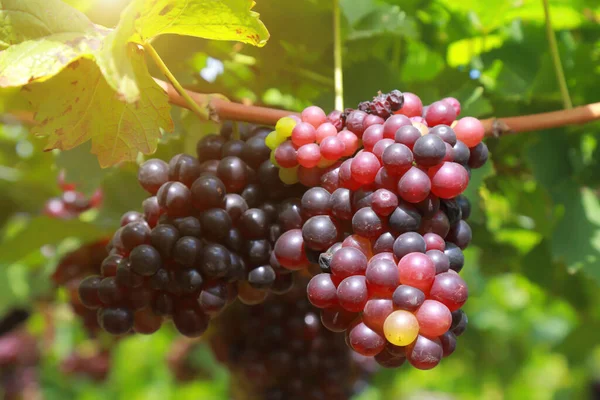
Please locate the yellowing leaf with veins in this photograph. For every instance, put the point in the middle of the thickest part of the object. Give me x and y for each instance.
(78, 105)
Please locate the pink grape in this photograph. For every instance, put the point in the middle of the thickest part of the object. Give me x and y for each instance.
(325, 130)
(397, 159)
(309, 155)
(350, 141)
(381, 146)
(332, 148)
(303, 133)
(393, 123)
(375, 313)
(412, 107)
(352, 293)
(372, 119)
(440, 112)
(384, 202)
(364, 340)
(314, 115)
(448, 180)
(450, 289)
(414, 186)
(419, 120)
(321, 291)
(386, 255)
(434, 241)
(454, 103)
(470, 131)
(348, 261)
(382, 278)
(417, 270)
(434, 318)
(345, 176)
(424, 353)
(286, 155)
(372, 135)
(364, 167)
(310, 177)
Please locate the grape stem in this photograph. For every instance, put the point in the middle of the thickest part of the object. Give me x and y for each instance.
(228, 110)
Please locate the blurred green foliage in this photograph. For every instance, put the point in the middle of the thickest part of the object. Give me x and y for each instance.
(533, 268)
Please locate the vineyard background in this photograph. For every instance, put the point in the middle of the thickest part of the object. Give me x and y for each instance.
(533, 267)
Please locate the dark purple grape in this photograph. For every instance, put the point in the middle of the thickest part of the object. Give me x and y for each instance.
(234, 240)
(445, 133)
(405, 218)
(153, 174)
(116, 321)
(283, 283)
(268, 175)
(479, 155)
(109, 265)
(232, 148)
(175, 199)
(429, 150)
(163, 239)
(341, 204)
(336, 319)
(465, 206)
(424, 353)
(188, 251)
(364, 340)
(255, 152)
(134, 234)
(151, 210)
(163, 305)
(131, 216)
(188, 226)
(408, 298)
(275, 231)
(440, 260)
(352, 293)
(125, 276)
(237, 271)
(428, 207)
(235, 205)
(209, 148)
(407, 135)
(384, 243)
(258, 251)
(460, 234)
(290, 214)
(253, 224)
(208, 192)
(459, 322)
(139, 298)
(262, 277)
(184, 168)
(382, 277)
(216, 224)
(367, 223)
(188, 280)
(234, 174)
(209, 168)
(396, 100)
(455, 255)
(316, 201)
(461, 153)
(213, 298)
(109, 292)
(409, 242)
(88, 292)
(145, 260)
(319, 232)
(160, 280)
(452, 210)
(448, 341)
(190, 322)
(397, 159)
(216, 260)
(253, 194)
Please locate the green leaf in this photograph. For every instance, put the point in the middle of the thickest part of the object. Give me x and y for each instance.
(421, 64)
(462, 51)
(90, 109)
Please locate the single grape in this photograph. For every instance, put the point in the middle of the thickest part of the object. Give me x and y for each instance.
(185, 169)
(409, 242)
(460, 234)
(464, 205)
(382, 277)
(188, 226)
(336, 319)
(145, 260)
(407, 135)
(163, 239)
(255, 152)
(309, 155)
(381, 146)
(397, 159)
(153, 174)
(448, 180)
(125, 277)
(233, 172)
(190, 322)
(459, 322)
(355, 122)
(348, 261)
(364, 168)
(261, 277)
(408, 298)
(412, 106)
(448, 341)
(341, 204)
(209, 168)
(257, 252)
(116, 321)
(290, 214)
(232, 148)
(434, 318)
(367, 223)
(352, 293)
(188, 280)
(386, 359)
(479, 155)
(445, 133)
(145, 322)
(151, 210)
(314, 115)
(455, 255)
(424, 353)
(88, 292)
(384, 243)
(332, 148)
(440, 260)
(188, 251)
(404, 218)
(401, 328)
(429, 150)
(131, 216)
(440, 113)
(372, 136)
(449, 289)
(213, 298)
(160, 280)
(434, 241)
(253, 195)
(437, 224)
(360, 243)
(345, 176)
(375, 313)
(461, 153)
(303, 133)
(109, 292)
(316, 201)
(321, 291)
(289, 250)
(175, 199)
(109, 265)
(393, 123)
(417, 270)
(254, 224)
(319, 232)
(384, 202)
(209, 147)
(414, 186)
(454, 103)
(216, 260)
(216, 223)
(470, 131)
(134, 234)
(286, 155)
(364, 340)
(350, 141)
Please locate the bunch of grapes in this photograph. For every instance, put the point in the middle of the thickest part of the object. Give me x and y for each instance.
(294, 357)
(204, 238)
(71, 203)
(387, 224)
(72, 269)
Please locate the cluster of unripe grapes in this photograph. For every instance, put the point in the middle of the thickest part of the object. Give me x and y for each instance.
(293, 358)
(204, 238)
(387, 225)
(71, 202)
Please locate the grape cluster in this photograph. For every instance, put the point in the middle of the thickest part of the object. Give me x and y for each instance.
(72, 269)
(205, 238)
(293, 357)
(387, 224)
(71, 202)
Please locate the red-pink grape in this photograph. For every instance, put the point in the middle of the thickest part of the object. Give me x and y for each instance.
(417, 270)
(332, 148)
(309, 155)
(448, 180)
(352, 293)
(325, 130)
(414, 186)
(364, 168)
(321, 291)
(470, 131)
(372, 135)
(286, 155)
(375, 313)
(450, 289)
(382, 277)
(434, 318)
(314, 115)
(303, 133)
(412, 107)
(350, 141)
(440, 112)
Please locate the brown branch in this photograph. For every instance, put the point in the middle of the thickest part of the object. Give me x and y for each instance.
(227, 110)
